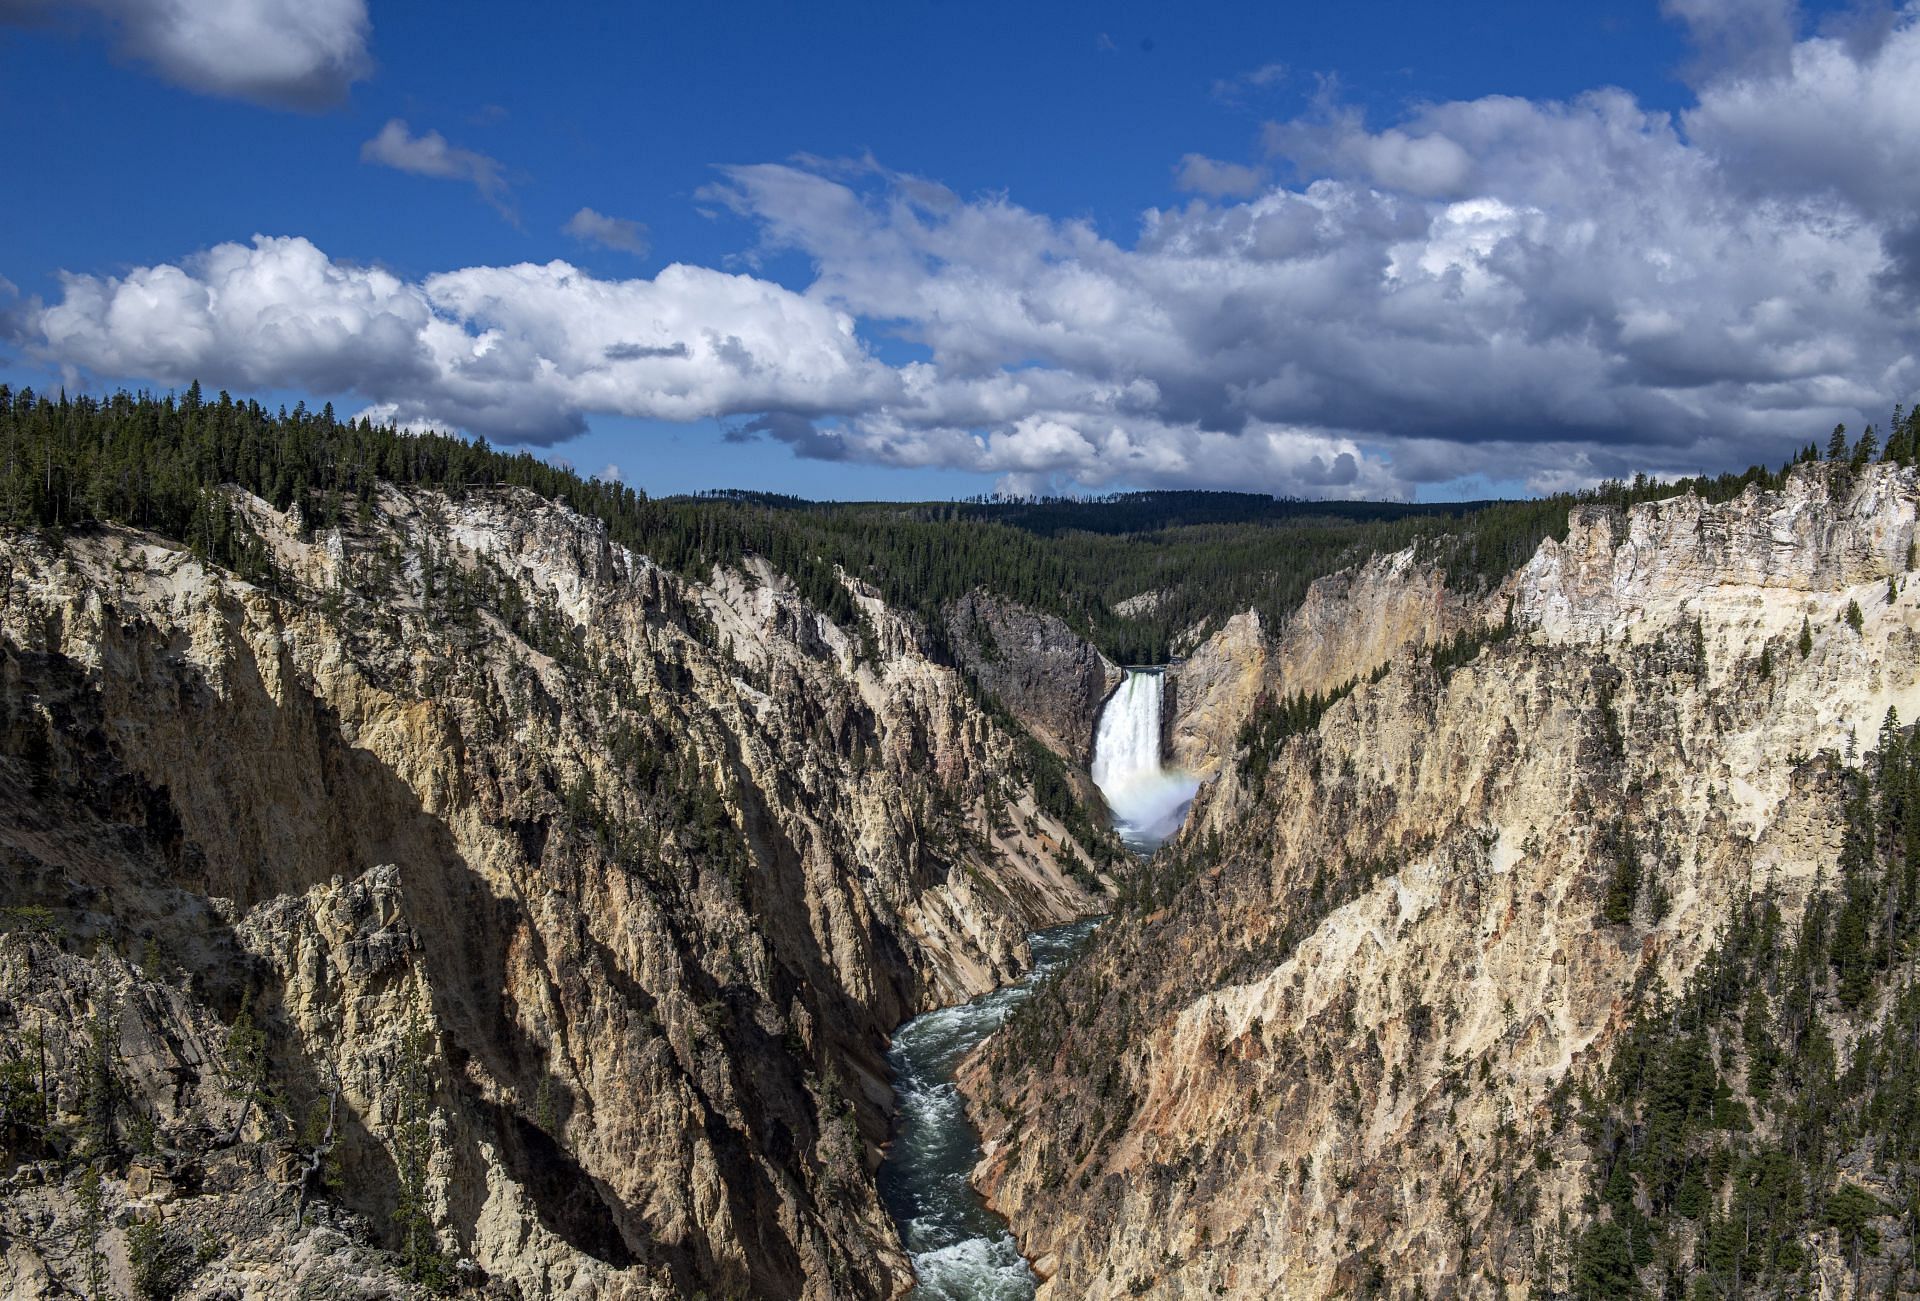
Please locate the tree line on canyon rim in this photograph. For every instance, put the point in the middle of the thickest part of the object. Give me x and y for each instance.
(155, 463)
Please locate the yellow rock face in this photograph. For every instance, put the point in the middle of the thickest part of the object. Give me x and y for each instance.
(657, 863)
(1328, 1046)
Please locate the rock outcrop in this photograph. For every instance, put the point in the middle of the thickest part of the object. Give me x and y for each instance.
(1212, 693)
(1327, 1045)
(1349, 624)
(1048, 676)
(573, 899)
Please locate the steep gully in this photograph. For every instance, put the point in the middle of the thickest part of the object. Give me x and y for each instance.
(961, 1250)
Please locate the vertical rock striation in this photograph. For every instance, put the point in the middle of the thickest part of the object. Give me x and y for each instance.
(1349, 623)
(1048, 676)
(638, 871)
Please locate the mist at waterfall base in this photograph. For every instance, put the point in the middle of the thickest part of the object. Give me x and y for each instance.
(961, 1250)
(1148, 801)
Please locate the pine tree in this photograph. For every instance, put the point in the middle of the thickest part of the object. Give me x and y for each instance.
(1603, 1264)
(414, 1084)
(244, 1064)
(100, 1085)
(1896, 449)
(1623, 884)
(93, 1222)
(23, 1098)
(157, 1262)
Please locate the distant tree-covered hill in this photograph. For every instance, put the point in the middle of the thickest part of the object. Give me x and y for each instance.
(153, 462)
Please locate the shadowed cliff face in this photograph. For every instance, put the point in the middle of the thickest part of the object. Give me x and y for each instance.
(1049, 677)
(1328, 1041)
(655, 864)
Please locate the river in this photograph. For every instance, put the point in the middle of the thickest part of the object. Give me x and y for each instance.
(961, 1250)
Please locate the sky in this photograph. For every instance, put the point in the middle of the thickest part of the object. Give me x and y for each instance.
(932, 249)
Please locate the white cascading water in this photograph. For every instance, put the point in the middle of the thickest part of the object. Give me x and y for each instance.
(1147, 799)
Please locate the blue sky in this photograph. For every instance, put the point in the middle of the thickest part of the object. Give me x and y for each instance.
(1317, 249)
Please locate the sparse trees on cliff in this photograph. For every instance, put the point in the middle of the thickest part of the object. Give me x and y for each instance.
(24, 1119)
(160, 1265)
(1623, 882)
(1903, 438)
(1728, 1113)
(415, 1076)
(244, 1064)
(100, 1085)
(93, 1225)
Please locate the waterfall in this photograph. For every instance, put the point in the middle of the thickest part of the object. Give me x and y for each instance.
(1148, 800)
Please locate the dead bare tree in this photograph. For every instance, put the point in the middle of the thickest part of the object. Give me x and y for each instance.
(314, 1160)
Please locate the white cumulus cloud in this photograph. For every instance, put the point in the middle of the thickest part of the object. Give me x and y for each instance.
(287, 53)
(518, 353)
(1543, 291)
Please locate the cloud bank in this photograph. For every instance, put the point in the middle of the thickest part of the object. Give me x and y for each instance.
(302, 54)
(1551, 292)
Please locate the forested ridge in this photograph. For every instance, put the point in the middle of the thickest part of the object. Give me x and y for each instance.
(1727, 1130)
(154, 462)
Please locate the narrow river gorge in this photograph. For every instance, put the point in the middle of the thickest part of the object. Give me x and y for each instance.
(961, 1250)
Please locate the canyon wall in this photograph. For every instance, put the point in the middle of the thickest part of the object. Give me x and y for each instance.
(470, 888)
(1349, 624)
(1046, 675)
(1328, 1043)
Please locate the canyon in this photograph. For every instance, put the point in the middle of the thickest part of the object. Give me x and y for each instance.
(445, 896)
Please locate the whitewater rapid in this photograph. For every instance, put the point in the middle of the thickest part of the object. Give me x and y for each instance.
(961, 1250)
(1148, 800)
